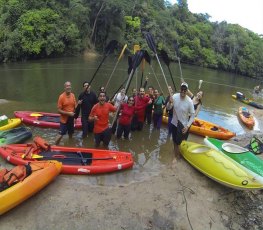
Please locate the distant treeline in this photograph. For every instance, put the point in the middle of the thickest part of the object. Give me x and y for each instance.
(31, 29)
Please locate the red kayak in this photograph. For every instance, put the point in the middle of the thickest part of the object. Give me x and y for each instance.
(74, 160)
(42, 119)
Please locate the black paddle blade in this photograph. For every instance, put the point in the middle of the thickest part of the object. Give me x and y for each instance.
(176, 47)
(165, 57)
(136, 61)
(111, 47)
(150, 42)
(147, 57)
(129, 64)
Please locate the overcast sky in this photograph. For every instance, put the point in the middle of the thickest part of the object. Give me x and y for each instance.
(248, 14)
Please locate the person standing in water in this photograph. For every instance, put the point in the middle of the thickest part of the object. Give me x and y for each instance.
(183, 108)
(88, 99)
(66, 109)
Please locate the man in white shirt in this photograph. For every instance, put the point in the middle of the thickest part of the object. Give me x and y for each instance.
(183, 116)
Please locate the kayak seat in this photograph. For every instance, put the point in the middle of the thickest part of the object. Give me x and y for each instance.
(197, 123)
(246, 114)
(53, 119)
(70, 158)
(214, 128)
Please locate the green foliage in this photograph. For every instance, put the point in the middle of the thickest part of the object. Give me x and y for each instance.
(35, 29)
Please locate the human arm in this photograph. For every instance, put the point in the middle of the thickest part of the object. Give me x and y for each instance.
(191, 119)
(93, 115)
(169, 104)
(198, 109)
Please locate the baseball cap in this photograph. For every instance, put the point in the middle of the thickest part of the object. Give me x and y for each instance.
(184, 84)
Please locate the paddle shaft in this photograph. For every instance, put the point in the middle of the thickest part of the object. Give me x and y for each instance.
(61, 156)
(106, 55)
(123, 49)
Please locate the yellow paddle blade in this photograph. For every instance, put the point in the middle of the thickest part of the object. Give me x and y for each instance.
(123, 49)
(36, 115)
(34, 156)
(136, 48)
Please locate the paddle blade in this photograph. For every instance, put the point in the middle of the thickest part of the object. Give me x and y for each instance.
(176, 47)
(165, 57)
(137, 59)
(129, 64)
(147, 57)
(136, 48)
(111, 47)
(122, 52)
(36, 115)
(150, 42)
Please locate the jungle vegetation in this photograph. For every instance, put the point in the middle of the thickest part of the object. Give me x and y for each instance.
(31, 29)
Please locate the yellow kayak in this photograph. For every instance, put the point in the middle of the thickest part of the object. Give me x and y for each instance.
(42, 174)
(12, 123)
(219, 167)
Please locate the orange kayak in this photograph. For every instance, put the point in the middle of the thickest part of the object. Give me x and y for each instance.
(205, 128)
(42, 174)
(246, 117)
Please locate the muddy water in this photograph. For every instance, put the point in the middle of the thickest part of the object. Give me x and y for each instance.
(35, 86)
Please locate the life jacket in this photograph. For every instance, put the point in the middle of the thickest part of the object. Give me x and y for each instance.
(40, 142)
(9, 178)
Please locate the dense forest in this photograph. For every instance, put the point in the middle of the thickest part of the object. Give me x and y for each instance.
(31, 29)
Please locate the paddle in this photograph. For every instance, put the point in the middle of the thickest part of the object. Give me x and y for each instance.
(61, 156)
(36, 115)
(176, 47)
(119, 58)
(108, 50)
(136, 60)
(166, 60)
(152, 46)
(118, 90)
(148, 59)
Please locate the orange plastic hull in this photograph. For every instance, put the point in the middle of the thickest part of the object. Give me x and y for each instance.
(247, 120)
(42, 174)
(205, 128)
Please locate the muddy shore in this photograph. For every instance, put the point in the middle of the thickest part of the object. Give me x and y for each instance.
(178, 198)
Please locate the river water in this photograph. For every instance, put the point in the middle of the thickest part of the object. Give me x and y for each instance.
(36, 85)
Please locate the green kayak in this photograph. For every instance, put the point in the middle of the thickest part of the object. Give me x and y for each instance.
(15, 136)
(239, 154)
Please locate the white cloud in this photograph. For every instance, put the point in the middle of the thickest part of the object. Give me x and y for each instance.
(248, 14)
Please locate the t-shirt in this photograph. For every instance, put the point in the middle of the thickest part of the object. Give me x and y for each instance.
(126, 114)
(102, 112)
(158, 105)
(119, 98)
(66, 103)
(88, 101)
(183, 108)
(141, 102)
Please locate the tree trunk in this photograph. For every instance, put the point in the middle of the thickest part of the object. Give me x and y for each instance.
(95, 21)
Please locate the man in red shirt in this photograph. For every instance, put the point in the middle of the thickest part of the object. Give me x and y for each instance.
(100, 115)
(66, 108)
(141, 101)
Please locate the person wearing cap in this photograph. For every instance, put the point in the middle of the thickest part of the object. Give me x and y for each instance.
(183, 116)
(197, 99)
(87, 100)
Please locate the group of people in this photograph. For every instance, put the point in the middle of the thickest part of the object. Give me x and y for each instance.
(131, 112)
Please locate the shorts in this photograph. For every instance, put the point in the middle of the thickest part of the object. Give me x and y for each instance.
(177, 134)
(67, 127)
(104, 136)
